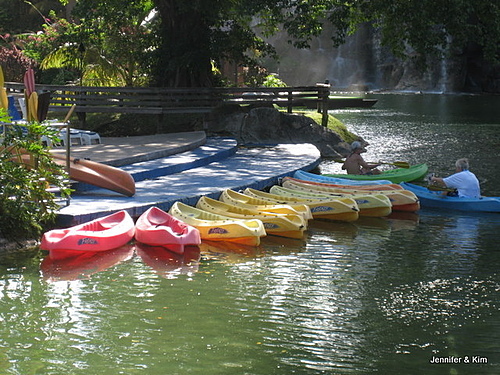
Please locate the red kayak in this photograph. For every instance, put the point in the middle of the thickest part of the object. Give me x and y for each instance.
(156, 227)
(101, 234)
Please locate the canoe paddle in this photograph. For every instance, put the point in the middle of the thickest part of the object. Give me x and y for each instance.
(399, 164)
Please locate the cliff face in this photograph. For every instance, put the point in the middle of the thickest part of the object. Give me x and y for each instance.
(363, 64)
(269, 126)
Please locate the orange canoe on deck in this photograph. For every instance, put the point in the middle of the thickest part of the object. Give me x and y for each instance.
(93, 173)
(98, 174)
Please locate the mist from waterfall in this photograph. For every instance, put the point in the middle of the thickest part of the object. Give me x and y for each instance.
(361, 64)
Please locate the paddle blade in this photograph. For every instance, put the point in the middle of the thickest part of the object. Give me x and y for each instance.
(399, 164)
(2, 79)
(33, 107)
(43, 105)
(4, 101)
(29, 81)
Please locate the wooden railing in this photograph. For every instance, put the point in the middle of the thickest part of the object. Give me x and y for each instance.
(159, 101)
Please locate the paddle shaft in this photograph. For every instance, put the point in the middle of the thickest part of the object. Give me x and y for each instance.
(399, 164)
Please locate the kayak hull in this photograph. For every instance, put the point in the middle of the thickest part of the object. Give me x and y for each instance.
(259, 204)
(371, 205)
(401, 200)
(338, 209)
(438, 199)
(156, 227)
(101, 234)
(283, 225)
(398, 175)
(218, 227)
(307, 176)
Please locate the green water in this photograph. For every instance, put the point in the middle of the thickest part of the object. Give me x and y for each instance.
(376, 296)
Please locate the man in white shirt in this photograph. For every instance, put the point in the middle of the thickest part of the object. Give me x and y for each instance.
(463, 180)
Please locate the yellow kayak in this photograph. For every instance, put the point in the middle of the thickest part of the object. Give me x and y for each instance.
(372, 205)
(401, 200)
(339, 209)
(218, 227)
(284, 225)
(246, 201)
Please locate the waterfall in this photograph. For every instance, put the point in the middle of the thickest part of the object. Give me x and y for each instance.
(360, 63)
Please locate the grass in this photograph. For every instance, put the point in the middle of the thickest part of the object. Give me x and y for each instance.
(334, 124)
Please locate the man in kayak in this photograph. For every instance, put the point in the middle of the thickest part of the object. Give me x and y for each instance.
(355, 164)
(463, 180)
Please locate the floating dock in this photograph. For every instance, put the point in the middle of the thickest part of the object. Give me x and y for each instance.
(180, 167)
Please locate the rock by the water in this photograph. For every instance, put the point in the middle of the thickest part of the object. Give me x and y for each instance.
(267, 125)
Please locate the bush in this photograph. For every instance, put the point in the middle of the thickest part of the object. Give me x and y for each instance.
(26, 204)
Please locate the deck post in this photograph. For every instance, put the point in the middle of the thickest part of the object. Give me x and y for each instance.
(323, 94)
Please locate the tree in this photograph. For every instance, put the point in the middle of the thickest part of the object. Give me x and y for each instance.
(430, 27)
(193, 34)
(23, 15)
(107, 45)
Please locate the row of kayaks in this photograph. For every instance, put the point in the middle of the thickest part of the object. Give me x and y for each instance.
(428, 197)
(245, 217)
(240, 217)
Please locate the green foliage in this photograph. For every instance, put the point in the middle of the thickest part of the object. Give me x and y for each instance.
(110, 45)
(422, 28)
(25, 203)
(19, 16)
(272, 80)
(119, 40)
(178, 45)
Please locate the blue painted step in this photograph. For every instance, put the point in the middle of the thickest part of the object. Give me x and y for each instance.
(215, 149)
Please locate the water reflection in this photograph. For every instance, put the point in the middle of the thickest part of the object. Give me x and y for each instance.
(81, 265)
(167, 263)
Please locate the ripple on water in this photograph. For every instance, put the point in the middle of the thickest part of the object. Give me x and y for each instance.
(441, 303)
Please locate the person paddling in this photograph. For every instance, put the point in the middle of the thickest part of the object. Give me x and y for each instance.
(355, 164)
(463, 180)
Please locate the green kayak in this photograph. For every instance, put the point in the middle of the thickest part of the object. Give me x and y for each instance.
(415, 172)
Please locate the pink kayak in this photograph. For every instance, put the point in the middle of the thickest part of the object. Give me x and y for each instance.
(101, 234)
(156, 227)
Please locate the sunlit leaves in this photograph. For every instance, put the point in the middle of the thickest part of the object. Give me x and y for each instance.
(25, 203)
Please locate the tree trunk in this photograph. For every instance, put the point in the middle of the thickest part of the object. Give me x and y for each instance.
(69, 8)
(184, 52)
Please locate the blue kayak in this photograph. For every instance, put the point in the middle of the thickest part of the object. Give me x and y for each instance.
(302, 175)
(430, 198)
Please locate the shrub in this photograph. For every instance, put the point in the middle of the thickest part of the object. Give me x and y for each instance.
(12, 59)
(26, 203)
